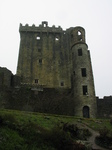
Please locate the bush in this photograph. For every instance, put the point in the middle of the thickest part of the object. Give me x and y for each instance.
(1, 120)
(59, 138)
(105, 138)
(71, 128)
(8, 120)
(103, 132)
(111, 121)
(31, 136)
(35, 136)
(62, 137)
(76, 132)
(10, 140)
(104, 142)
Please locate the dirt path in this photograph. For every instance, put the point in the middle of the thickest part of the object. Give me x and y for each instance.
(91, 140)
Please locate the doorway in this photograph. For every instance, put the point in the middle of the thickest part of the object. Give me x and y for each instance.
(86, 112)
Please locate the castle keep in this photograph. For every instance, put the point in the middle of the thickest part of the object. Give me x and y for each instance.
(54, 75)
(51, 58)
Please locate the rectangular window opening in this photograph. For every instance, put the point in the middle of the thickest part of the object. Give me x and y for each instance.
(74, 73)
(44, 25)
(36, 80)
(39, 49)
(83, 71)
(62, 83)
(40, 61)
(80, 52)
(85, 90)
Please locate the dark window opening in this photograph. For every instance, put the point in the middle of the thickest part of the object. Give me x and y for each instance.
(72, 55)
(83, 71)
(80, 52)
(62, 84)
(85, 91)
(72, 36)
(36, 80)
(39, 49)
(74, 72)
(40, 61)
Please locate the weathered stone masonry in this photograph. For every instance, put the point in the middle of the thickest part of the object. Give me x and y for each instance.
(55, 72)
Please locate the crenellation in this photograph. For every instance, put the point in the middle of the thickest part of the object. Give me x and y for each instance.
(40, 28)
(48, 56)
(54, 63)
(33, 25)
(54, 74)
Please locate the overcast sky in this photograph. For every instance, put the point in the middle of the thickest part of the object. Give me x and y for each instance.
(94, 15)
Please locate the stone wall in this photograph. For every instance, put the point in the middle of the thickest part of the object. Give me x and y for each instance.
(49, 57)
(54, 101)
(5, 77)
(14, 95)
(104, 107)
(47, 101)
(44, 56)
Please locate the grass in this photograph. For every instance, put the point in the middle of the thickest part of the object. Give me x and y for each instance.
(45, 120)
(7, 136)
(49, 120)
(29, 130)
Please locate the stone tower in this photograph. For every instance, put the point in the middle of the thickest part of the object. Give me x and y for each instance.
(83, 85)
(57, 58)
(44, 56)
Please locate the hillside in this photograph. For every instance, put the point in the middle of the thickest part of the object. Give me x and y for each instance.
(20, 130)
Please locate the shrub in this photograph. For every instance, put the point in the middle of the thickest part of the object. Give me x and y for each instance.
(111, 121)
(105, 138)
(10, 140)
(104, 142)
(8, 120)
(76, 132)
(1, 120)
(59, 138)
(34, 136)
(103, 132)
(71, 128)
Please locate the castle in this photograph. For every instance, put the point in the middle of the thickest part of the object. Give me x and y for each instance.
(54, 73)
(53, 58)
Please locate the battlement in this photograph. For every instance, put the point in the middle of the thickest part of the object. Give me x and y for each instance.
(57, 59)
(42, 27)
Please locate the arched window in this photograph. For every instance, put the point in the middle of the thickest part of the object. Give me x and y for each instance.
(79, 33)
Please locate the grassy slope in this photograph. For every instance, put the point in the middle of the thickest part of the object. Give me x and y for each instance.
(48, 120)
(28, 130)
